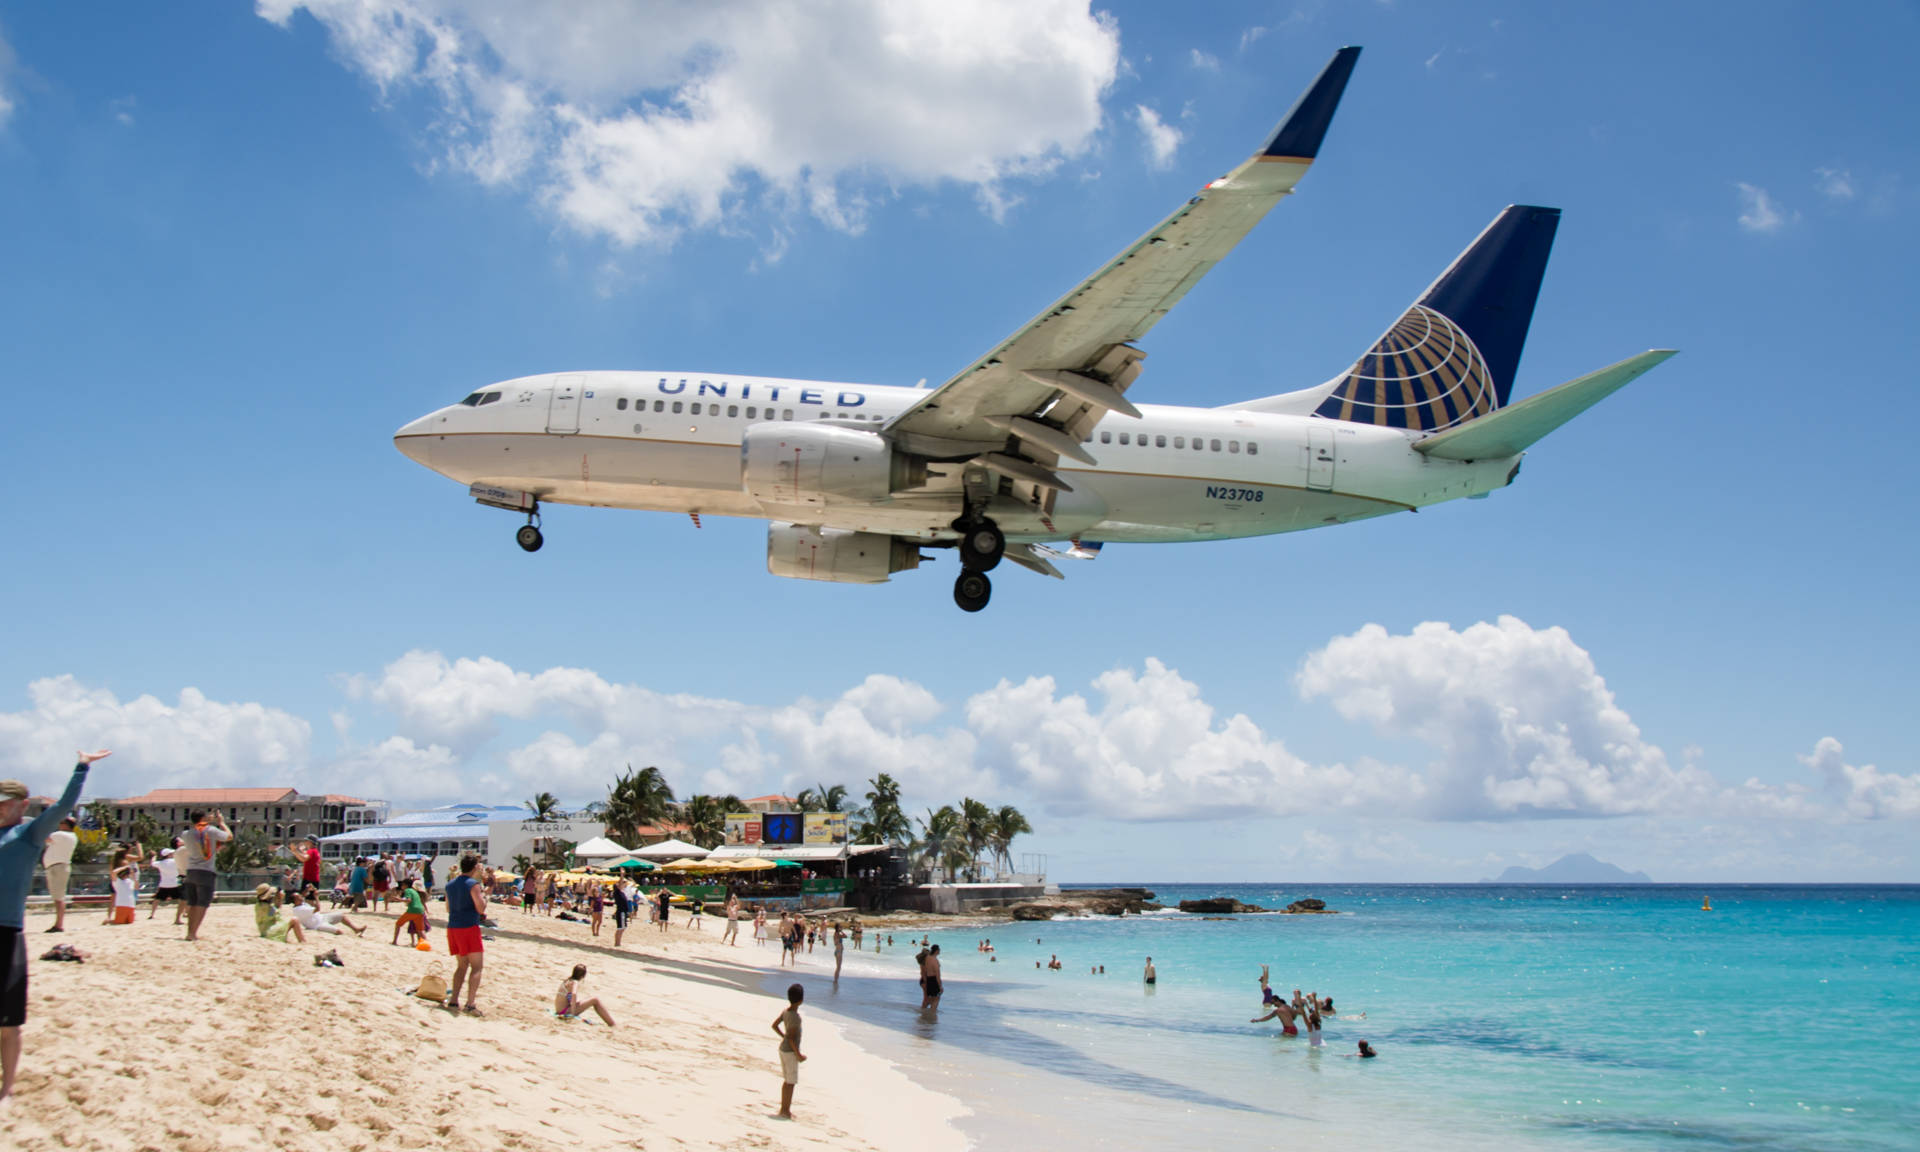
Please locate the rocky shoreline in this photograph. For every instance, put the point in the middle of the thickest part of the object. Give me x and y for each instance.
(1133, 902)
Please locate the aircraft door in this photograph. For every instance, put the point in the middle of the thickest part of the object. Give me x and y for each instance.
(563, 411)
(1319, 451)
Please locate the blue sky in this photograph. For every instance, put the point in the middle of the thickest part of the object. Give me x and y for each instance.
(245, 244)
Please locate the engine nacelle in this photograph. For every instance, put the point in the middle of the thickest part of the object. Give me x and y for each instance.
(838, 554)
(816, 465)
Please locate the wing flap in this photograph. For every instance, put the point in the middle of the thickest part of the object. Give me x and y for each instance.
(1512, 430)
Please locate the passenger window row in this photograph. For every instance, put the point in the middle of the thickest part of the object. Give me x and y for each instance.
(697, 408)
(1200, 443)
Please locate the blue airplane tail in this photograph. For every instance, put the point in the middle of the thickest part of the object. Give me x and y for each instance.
(1453, 355)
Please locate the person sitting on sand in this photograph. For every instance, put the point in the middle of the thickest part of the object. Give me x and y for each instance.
(267, 918)
(568, 1004)
(308, 915)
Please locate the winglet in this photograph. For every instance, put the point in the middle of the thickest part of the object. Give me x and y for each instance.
(1299, 135)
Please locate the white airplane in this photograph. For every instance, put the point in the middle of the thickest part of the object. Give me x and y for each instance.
(1036, 442)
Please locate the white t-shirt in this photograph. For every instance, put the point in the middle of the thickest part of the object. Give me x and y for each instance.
(305, 913)
(169, 871)
(59, 849)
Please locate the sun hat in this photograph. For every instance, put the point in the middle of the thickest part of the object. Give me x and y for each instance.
(13, 790)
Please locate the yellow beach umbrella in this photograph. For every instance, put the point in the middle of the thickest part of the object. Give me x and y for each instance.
(754, 865)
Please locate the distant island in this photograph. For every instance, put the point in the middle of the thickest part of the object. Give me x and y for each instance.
(1578, 868)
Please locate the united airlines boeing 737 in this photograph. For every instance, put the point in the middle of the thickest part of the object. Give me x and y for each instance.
(1036, 441)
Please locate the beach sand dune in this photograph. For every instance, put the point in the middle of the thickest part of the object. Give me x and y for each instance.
(238, 1042)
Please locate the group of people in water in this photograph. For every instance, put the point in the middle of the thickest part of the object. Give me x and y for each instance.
(1310, 1010)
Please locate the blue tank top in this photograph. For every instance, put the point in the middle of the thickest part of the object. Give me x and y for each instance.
(460, 910)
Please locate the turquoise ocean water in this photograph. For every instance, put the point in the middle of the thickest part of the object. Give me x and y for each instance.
(1506, 1017)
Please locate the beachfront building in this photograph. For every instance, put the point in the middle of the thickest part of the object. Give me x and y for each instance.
(445, 831)
(283, 813)
(499, 832)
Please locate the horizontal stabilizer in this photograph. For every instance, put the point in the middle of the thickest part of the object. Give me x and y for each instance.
(1030, 556)
(1513, 429)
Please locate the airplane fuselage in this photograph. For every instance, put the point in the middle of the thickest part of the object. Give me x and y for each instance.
(672, 442)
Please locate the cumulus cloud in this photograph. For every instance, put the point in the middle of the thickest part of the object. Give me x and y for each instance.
(1152, 750)
(637, 121)
(1760, 212)
(1866, 792)
(1522, 722)
(1162, 139)
(1204, 61)
(194, 741)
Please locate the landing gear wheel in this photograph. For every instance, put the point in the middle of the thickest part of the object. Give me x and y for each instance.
(972, 590)
(981, 545)
(529, 538)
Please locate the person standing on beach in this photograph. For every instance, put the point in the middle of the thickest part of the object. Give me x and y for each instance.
(197, 850)
(414, 919)
(760, 927)
(166, 885)
(666, 904)
(308, 852)
(732, 934)
(622, 908)
(123, 876)
(57, 859)
(20, 845)
(930, 986)
(839, 950)
(597, 905)
(466, 904)
(787, 1027)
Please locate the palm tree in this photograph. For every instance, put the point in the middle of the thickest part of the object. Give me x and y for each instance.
(941, 844)
(102, 815)
(706, 818)
(822, 798)
(884, 822)
(147, 834)
(636, 799)
(1006, 824)
(976, 823)
(545, 806)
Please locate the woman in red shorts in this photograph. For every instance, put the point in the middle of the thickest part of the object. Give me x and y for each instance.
(466, 904)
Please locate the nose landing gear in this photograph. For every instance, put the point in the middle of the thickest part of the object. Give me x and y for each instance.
(528, 537)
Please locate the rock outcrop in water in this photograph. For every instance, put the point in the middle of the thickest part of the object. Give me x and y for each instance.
(1214, 904)
(1086, 902)
(1308, 906)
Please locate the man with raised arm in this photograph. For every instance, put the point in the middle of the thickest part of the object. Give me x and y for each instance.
(20, 845)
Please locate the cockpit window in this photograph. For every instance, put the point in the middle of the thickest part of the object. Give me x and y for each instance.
(472, 400)
(489, 398)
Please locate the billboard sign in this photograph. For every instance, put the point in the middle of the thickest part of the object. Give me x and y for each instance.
(743, 827)
(781, 828)
(826, 827)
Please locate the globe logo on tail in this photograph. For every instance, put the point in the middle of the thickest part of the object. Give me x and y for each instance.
(1425, 374)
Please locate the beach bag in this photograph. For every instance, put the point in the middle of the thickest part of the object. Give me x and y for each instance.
(434, 985)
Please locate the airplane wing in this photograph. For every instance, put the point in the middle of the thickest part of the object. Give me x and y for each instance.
(1035, 396)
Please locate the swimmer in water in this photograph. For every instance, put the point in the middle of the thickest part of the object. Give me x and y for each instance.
(1151, 976)
(1366, 1052)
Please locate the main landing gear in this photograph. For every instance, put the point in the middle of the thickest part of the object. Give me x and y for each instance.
(528, 537)
(982, 544)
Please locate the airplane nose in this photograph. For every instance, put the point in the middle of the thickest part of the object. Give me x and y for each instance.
(414, 440)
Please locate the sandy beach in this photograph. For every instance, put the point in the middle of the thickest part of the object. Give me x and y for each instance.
(240, 1042)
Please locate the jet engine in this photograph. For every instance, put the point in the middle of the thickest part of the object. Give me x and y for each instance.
(806, 553)
(816, 465)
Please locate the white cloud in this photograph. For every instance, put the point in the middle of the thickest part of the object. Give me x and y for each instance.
(1522, 722)
(1205, 61)
(636, 121)
(1162, 140)
(1867, 792)
(1760, 212)
(1153, 751)
(7, 65)
(195, 741)
(1835, 183)
(1435, 59)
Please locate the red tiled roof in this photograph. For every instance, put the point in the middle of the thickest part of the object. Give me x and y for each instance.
(761, 799)
(336, 798)
(212, 796)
